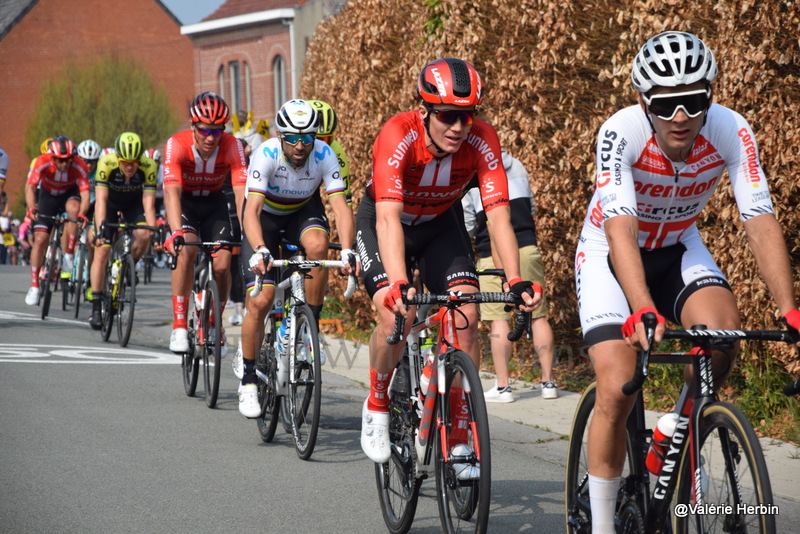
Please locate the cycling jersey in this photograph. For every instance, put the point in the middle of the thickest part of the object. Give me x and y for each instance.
(404, 170)
(123, 192)
(635, 177)
(344, 168)
(49, 179)
(286, 189)
(184, 166)
(3, 166)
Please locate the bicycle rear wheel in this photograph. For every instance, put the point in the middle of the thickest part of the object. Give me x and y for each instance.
(305, 388)
(579, 513)
(464, 478)
(211, 318)
(266, 370)
(398, 488)
(107, 302)
(65, 293)
(733, 475)
(126, 299)
(190, 361)
(78, 273)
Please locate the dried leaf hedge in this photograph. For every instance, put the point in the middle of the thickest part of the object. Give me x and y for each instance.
(554, 72)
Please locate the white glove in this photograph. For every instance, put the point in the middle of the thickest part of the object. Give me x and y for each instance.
(261, 254)
(346, 252)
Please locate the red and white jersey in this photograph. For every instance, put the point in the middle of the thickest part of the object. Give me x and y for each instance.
(183, 165)
(634, 176)
(46, 176)
(404, 170)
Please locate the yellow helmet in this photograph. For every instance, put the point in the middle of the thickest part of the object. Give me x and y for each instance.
(128, 146)
(45, 146)
(327, 123)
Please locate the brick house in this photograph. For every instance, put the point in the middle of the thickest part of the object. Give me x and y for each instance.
(251, 52)
(38, 37)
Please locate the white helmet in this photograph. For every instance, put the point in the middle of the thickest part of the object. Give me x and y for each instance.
(670, 59)
(89, 150)
(297, 117)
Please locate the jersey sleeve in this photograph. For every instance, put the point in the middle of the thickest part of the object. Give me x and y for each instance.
(105, 166)
(150, 169)
(238, 161)
(173, 154)
(614, 157)
(344, 168)
(390, 154)
(263, 161)
(35, 174)
(82, 175)
(492, 179)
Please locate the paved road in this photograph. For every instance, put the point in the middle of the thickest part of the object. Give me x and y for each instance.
(94, 438)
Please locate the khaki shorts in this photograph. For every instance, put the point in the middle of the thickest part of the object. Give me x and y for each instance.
(531, 268)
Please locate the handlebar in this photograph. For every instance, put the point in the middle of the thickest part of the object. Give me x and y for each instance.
(307, 265)
(454, 300)
(703, 337)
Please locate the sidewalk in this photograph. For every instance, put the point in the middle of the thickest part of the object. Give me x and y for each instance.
(351, 361)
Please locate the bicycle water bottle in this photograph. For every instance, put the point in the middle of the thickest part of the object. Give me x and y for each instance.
(662, 435)
(427, 361)
(115, 270)
(281, 350)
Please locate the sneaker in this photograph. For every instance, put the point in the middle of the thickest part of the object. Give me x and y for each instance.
(465, 471)
(32, 298)
(96, 320)
(179, 341)
(501, 395)
(375, 435)
(248, 401)
(237, 362)
(549, 390)
(66, 264)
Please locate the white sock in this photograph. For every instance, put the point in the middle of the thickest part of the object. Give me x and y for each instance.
(603, 498)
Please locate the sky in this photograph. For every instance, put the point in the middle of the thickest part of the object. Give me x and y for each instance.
(191, 11)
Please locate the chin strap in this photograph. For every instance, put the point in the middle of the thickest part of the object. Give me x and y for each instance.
(426, 122)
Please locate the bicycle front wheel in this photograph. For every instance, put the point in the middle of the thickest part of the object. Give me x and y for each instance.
(305, 387)
(733, 476)
(126, 299)
(77, 282)
(107, 302)
(398, 487)
(267, 370)
(50, 272)
(190, 362)
(463, 460)
(211, 320)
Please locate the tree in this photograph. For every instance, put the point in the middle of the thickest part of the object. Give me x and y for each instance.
(100, 101)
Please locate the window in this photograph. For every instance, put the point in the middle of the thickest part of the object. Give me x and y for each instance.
(221, 82)
(248, 86)
(236, 86)
(279, 81)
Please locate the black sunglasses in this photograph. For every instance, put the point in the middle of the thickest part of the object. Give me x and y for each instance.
(666, 106)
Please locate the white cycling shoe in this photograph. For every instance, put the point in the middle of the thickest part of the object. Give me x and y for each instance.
(179, 341)
(375, 435)
(248, 401)
(32, 298)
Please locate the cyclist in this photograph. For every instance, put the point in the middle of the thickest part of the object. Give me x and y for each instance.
(422, 162)
(327, 126)
(3, 169)
(126, 185)
(640, 250)
(62, 181)
(283, 195)
(522, 211)
(196, 162)
(155, 155)
(90, 151)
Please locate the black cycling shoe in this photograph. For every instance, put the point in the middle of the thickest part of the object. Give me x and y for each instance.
(96, 320)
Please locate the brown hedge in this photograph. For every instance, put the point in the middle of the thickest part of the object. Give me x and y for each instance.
(554, 72)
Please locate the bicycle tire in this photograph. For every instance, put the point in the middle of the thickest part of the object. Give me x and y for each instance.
(65, 293)
(724, 427)
(578, 507)
(267, 364)
(126, 299)
(106, 303)
(211, 320)
(49, 275)
(460, 500)
(190, 361)
(80, 265)
(398, 487)
(305, 388)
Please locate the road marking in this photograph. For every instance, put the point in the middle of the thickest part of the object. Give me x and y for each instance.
(19, 316)
(33, 353)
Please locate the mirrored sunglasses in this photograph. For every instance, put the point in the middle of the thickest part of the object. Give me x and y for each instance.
(666, 106)
(129, 161)
(451, 116)
(207, 132)
(304, 139)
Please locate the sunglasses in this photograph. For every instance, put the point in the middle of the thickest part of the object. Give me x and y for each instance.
(63, 160)
(451, 116)
(304, 139)
(666, 106)
(205, 132)
(129, 162)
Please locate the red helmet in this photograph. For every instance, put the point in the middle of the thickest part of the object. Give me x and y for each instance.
(209, 108)
(450, 81)
(61, 147)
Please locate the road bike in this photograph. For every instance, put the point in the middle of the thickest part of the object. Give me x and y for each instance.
(74, 283)
(149, 258)
(206, 340)
(443, 428)
(289, 366)
(714, 477)
(50, 273)
(119, 285)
